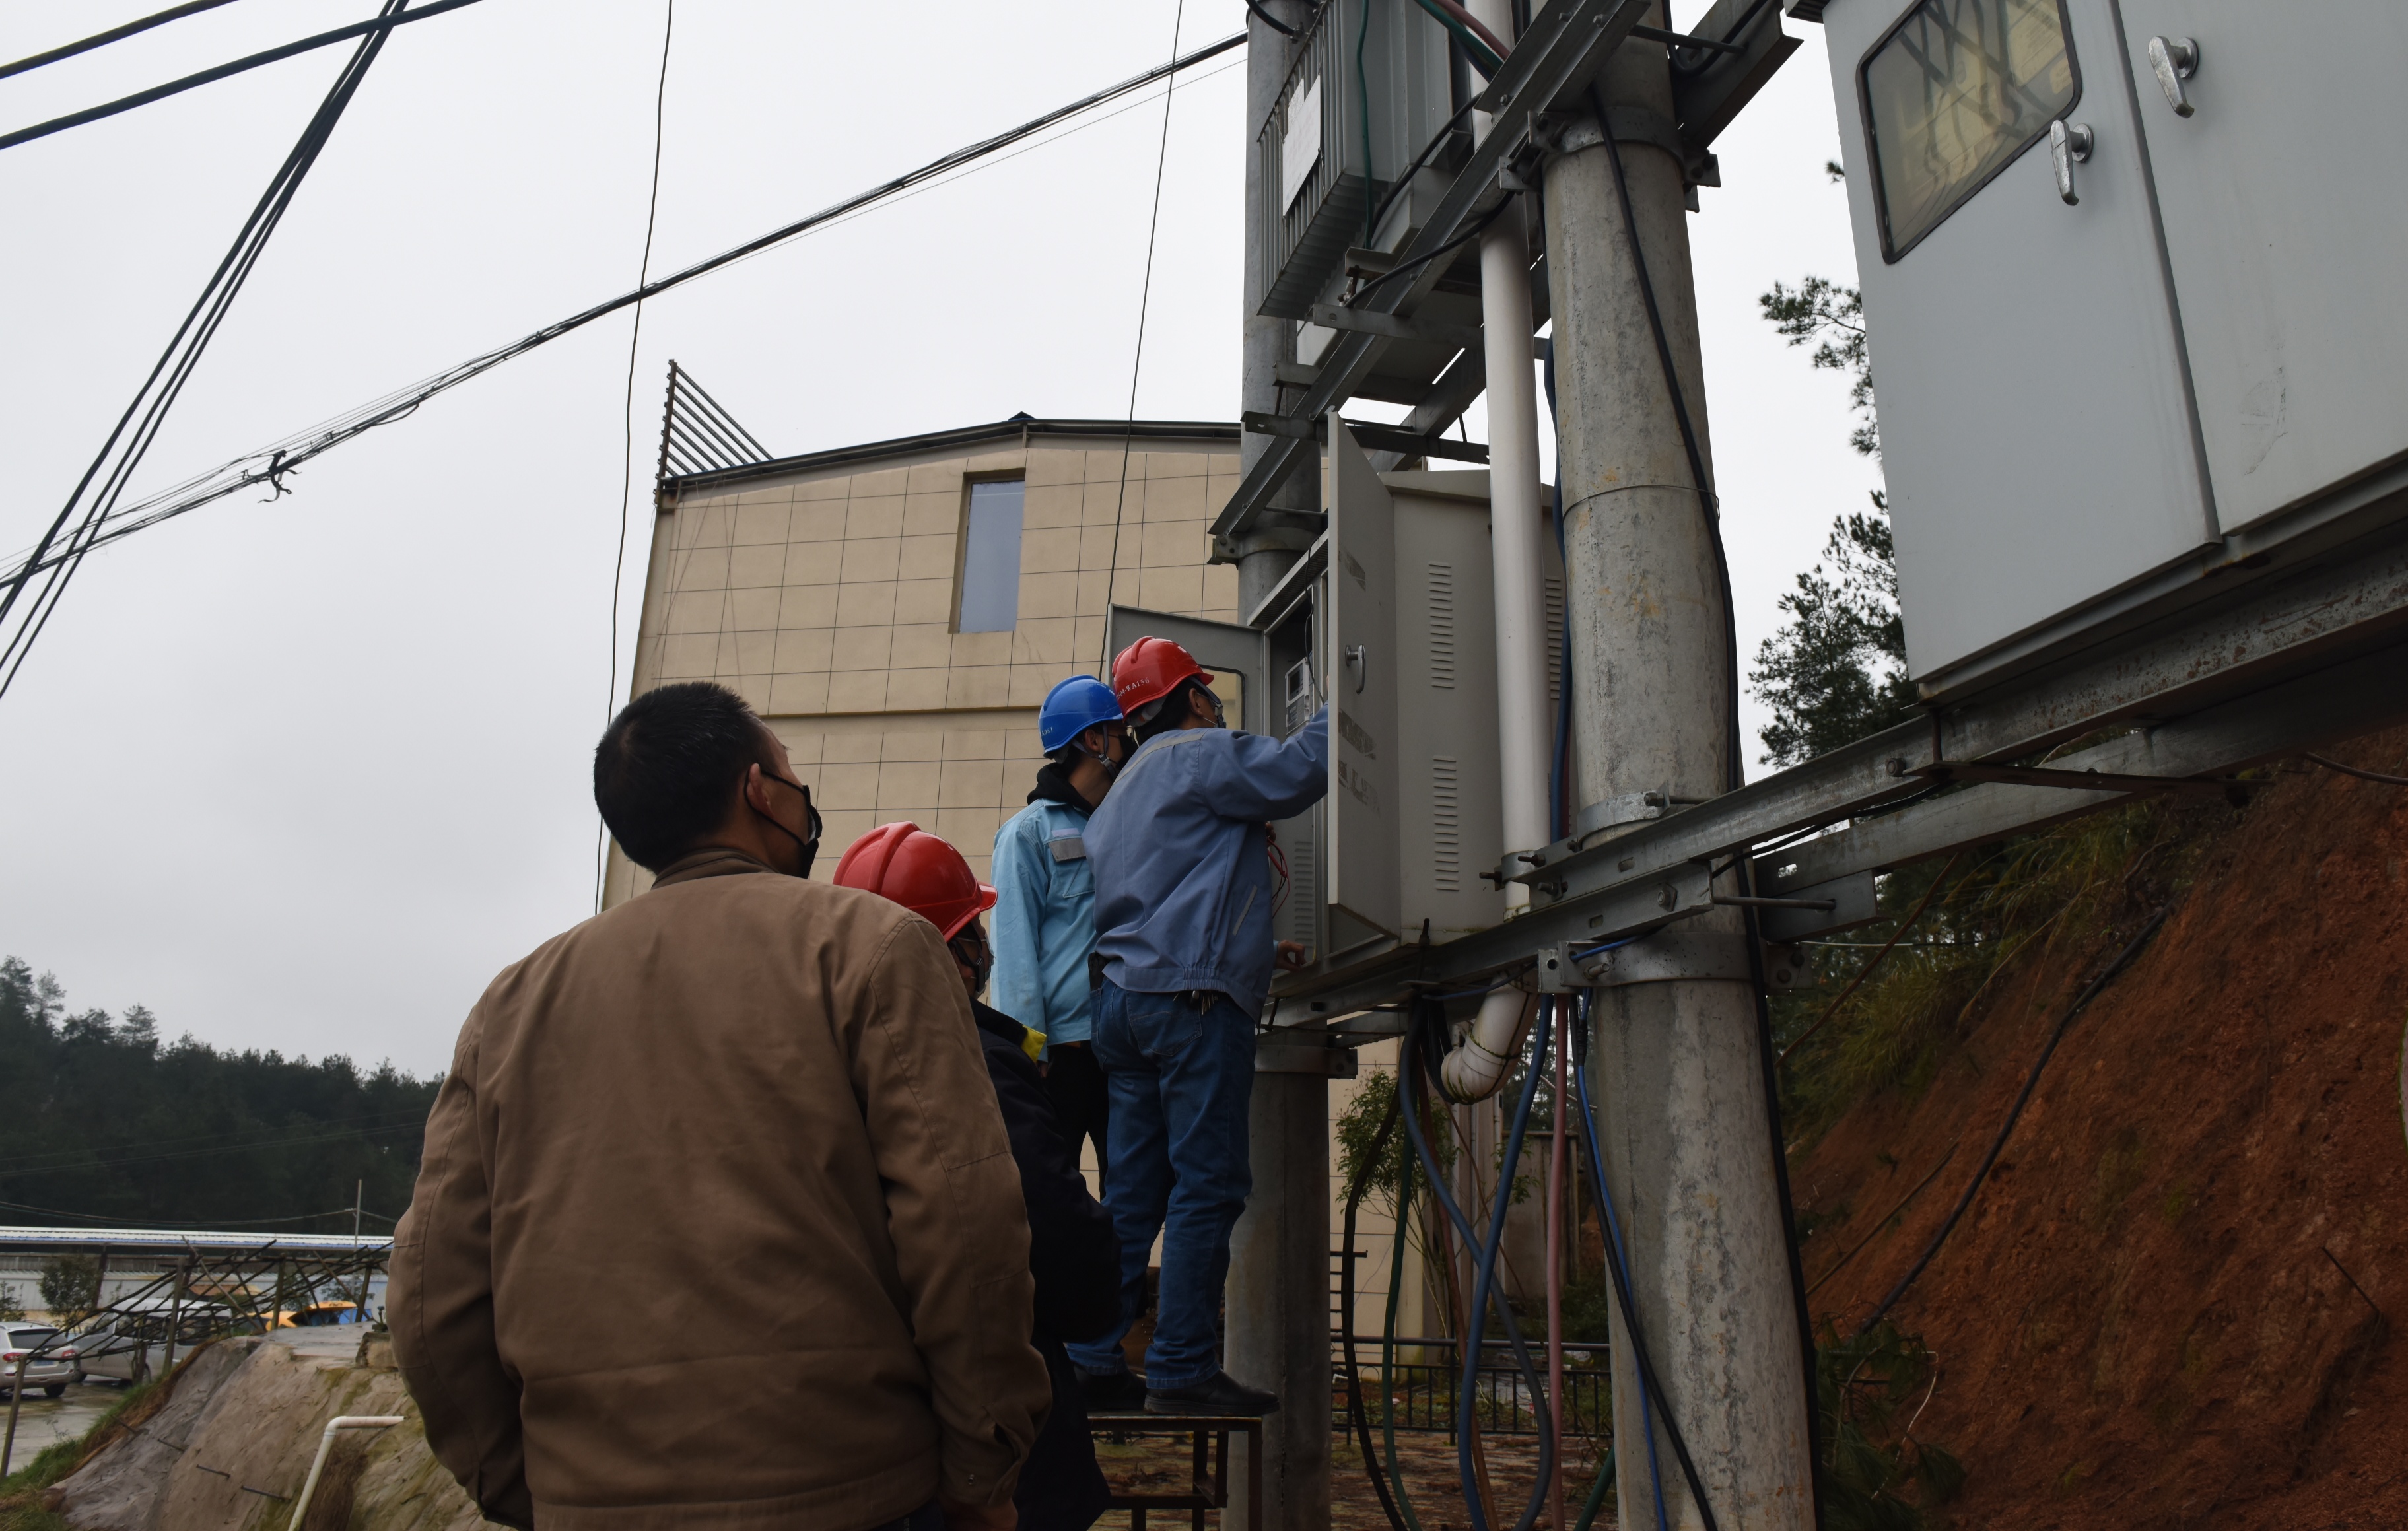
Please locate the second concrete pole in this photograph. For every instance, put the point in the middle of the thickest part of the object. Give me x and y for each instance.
(1681, 1108)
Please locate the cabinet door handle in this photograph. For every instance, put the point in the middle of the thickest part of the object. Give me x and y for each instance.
(1360, 662)
(2068, 143)
(2176, 59)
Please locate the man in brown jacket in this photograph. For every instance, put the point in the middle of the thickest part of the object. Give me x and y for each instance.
(718, 1223)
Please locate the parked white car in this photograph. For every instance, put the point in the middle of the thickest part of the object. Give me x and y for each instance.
(132, 1347)
(50, 1359)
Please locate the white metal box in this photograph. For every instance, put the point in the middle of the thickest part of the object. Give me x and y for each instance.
(2131, 275)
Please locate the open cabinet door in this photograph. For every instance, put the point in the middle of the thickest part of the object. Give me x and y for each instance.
(1360, 666)
(1232, 653)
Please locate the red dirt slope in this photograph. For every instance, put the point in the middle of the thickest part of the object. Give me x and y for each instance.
(2143, 1320)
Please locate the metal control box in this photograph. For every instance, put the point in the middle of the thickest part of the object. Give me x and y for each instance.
(1390, 618)
(1371, 87)
(2131, 276)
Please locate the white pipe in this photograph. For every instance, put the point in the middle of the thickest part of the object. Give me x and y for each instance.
(1476, 1068)
(326, 1444)
(1518, 522)
(1517, 562)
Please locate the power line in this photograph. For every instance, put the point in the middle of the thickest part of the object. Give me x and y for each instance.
(627, 416)
(186, 1222)
(1137, 361)
(377, 30)
(129, 440)
(209, 1153)
(115, 34)
(268, 465)
(404, 1115)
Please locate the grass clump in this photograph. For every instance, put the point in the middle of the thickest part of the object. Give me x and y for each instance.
(2043, 900)
(21, 1491)
(1877, 1475)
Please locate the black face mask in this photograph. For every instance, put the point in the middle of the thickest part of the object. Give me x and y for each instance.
(969, 947)
(811, 847)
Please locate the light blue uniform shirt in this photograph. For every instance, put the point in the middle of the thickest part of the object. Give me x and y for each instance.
(1044, 921)
(1183, 876)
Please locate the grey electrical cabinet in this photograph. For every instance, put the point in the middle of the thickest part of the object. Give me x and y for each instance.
(1370, 88)
(2133, 283)
(1390, 620)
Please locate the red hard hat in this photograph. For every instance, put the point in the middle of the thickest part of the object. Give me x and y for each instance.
(919, 871)
(1149, 669)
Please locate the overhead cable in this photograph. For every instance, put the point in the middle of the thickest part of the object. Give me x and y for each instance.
(97, 494)
(1137, 360)
(378, 28)
(268, 465)
(627, 418)
(115, 34)
(145, 1222)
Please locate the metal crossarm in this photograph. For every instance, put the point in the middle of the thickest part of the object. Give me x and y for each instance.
(1567, 44)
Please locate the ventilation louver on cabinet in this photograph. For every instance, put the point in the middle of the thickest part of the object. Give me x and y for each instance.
(1446, 824)
(1442, 625)
(1303, 890)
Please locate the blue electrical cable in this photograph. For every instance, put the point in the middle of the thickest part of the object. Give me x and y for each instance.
(1649, 1386)
(1411, 1056)
(1615, 1252)
(1483, 1281)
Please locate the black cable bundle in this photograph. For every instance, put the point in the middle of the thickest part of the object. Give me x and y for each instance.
(97, 491)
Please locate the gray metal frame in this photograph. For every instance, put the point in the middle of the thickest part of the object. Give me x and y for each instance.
(2321, 657)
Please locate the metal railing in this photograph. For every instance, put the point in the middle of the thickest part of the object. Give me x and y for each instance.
(1424, 1395)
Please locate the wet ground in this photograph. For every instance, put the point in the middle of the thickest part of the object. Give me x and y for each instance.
(1162, 1465)
(45, 1421)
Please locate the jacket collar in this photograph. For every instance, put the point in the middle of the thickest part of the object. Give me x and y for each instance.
(1054, 786)
(709, 861)
(995, 1022)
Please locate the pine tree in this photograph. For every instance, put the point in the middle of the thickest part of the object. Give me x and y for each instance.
(1835, 670)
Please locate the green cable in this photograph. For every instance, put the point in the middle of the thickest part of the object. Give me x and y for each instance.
(1484, 57)
(1362, 104)
(1597, 1493)
(1388, 1343)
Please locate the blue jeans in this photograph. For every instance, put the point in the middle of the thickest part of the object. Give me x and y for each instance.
(1182, 1082)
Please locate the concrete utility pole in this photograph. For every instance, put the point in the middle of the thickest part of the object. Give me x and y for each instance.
(1682, 1112)
(1278, 1295)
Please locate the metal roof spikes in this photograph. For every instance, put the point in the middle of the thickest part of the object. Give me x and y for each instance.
(700, 435)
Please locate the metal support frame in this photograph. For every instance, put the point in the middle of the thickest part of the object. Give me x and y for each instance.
(1568, 43)
(2313, 659)
(1209, 1475)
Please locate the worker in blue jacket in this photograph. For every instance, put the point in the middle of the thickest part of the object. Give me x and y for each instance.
(1045, 899)
(1183, 896)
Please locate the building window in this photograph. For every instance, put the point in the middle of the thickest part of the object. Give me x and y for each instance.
(990, 582)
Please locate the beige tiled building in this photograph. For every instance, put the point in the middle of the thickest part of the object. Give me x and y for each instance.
(829, 590)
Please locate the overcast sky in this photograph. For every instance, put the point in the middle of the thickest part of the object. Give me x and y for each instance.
(305, 775)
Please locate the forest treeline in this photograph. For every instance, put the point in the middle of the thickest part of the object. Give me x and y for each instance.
(104, 1122)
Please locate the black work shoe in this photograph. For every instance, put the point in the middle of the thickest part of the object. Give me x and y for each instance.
(1219, 1394)
(1112, 1392)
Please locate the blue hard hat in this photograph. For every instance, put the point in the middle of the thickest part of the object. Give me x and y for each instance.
(1072, 707)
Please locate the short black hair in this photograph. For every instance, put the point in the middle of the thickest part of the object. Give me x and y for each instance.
(666, 765)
